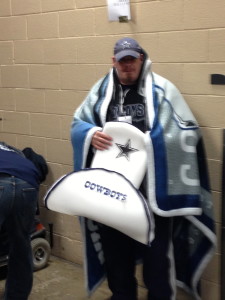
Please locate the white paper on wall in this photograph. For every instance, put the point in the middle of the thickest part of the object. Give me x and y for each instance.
(118, 9)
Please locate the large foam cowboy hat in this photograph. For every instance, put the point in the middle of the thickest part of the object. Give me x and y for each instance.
(107, 192)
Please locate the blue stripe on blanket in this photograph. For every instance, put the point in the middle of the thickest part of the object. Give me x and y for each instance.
(78, 143)
(93, 255)
(177, 201)
(101, 96)
(207, 221)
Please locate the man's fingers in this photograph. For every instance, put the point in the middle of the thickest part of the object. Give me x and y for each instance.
(101, 141)
(102, 135)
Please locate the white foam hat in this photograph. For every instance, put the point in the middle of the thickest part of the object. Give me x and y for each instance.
(127, 155)
(107, 192)
(103, 196)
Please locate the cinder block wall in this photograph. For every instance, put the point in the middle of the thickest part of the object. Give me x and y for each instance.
(52, 51)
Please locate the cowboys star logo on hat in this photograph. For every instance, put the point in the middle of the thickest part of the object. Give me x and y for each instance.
(126, 44)
(125, 150)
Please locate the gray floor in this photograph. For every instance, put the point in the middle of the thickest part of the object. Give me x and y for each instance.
(64, 280)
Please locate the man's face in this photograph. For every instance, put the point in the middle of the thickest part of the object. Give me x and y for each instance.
(128, 69)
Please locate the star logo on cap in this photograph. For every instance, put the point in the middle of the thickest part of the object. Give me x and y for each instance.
(126, 44)
(126, 150)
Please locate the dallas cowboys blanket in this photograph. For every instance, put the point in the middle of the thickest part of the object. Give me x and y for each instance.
(176, 175)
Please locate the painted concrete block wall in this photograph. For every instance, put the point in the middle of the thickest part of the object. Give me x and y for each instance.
(52, 52)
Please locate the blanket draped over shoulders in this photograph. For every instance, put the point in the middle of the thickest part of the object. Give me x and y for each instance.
(177, 182)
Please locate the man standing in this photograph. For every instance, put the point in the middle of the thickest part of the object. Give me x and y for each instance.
(19, 184)
(174, 183)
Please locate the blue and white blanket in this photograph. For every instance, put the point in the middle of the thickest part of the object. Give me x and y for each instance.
(177, 177)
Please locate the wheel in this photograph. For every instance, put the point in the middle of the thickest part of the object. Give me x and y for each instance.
(41, 252)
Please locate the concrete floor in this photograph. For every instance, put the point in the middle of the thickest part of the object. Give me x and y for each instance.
(62, 280)
(65, 281)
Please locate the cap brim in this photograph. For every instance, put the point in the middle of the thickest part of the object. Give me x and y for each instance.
(126, 52)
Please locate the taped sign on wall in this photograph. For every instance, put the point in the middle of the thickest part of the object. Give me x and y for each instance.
(119, 10)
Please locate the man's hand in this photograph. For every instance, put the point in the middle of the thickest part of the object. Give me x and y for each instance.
(101, 141)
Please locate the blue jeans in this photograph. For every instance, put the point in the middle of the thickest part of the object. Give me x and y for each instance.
(18, 204)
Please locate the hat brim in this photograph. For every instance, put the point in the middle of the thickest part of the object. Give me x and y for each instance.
(126, 52)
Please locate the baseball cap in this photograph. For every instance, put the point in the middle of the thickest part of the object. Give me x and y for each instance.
(126, 47)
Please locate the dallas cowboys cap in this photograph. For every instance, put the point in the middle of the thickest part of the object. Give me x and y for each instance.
(126, 47)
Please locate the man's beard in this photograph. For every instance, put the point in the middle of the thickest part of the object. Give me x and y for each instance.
(128, 79)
